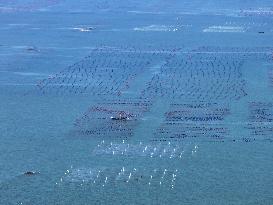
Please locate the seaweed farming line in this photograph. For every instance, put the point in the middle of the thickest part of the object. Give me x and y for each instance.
(270, 77)
(233, 49)
(101, 73)
(113, 177)
(192, 132)
(118, 67)
(237, 28)
(241, 52)
(135, 50)
(233, 23)
(197, 80)
(226, 52)
(264, 12)
(261, 119)
(197, 112)
(201, 122)
(29, 6)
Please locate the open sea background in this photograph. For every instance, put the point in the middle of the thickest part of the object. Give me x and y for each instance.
(226, 51)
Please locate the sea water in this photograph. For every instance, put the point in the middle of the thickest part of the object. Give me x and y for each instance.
(192, 78)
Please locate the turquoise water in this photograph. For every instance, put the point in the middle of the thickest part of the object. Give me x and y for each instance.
(194, 79)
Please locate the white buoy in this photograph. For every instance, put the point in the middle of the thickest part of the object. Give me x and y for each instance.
(105, 181)
(97, 176)
(151, 177)
(174, 178)
(162, 177)
(129, 177)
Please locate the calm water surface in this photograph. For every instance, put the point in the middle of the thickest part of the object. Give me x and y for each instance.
(190, 83)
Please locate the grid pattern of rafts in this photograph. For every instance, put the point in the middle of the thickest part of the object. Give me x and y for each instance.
(106, 71)
(97, 120)
(198, 77)
(193, 122)
(261, 119)
(117, 176)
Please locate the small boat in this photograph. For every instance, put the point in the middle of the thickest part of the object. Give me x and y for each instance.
(30, 173)
(122, 117)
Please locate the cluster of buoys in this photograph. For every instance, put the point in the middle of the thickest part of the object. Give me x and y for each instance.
(113, 177)
(169, 150)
